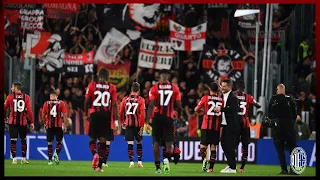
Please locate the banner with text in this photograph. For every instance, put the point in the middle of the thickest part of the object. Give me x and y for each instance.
(112, 43)
(60, 10)
(32, 19)
(188, 39)
(11, 21)
(219, 64)
(118, 74)
(156, 55)
(78, 64)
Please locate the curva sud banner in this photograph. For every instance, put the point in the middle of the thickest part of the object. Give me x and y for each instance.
(75, 147)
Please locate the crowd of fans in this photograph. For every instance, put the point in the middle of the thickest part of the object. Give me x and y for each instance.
(81, 33)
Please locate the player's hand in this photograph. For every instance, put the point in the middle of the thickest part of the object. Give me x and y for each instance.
(123, 125)
(241, 171)
(31, 126)
(6, 120)
(148, 129)
(65, 129)
(217, 109)
(140, 131)
(200, 112)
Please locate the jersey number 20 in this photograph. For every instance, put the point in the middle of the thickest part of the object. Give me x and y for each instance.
(102, 99)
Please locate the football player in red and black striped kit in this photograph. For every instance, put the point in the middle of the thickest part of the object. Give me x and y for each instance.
(210, 127)
(20, 107)
(163, 95)
(133, 107)
(245, 100)
(51, 116)
(104, 100)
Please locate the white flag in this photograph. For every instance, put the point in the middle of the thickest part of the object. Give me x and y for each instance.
(188, 39)
(156, 55)
(112, 43)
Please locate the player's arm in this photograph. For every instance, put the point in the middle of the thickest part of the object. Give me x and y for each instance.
(87, 100)
(178, 102)
(114, 104)
(122, 109)
(29, 109)
(254, 102)
(198, 108)
(233, 105)
(64, 111)
(142, 107)
(44, 112)
(151, 104)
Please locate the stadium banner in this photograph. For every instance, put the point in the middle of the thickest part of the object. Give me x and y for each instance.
(219, 64)
(35, 43)
(31, 19)
(78, 64)
(56, 14)
(71, 7)
(188, 39)
(112, 43)
(11, 21)
(118, 74)
(190, 148)
(271, 158)
(156, 55)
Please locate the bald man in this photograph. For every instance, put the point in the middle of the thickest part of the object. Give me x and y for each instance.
(282, 110)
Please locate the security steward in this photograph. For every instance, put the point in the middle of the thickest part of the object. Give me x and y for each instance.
(282, 114)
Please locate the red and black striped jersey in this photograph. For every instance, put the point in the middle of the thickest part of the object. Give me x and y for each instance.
(133, 107)
(165, 95)
(211, 119)
(244, 104)
(20, 106)
(52, 112)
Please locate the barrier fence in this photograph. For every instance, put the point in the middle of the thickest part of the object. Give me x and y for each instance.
(75, 147)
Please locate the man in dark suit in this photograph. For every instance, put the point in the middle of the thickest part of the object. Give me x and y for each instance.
(230, 125)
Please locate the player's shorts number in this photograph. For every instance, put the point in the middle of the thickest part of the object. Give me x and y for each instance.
(102, 99)
(243, 108)
(53, 111)
(18, 105)
(165, 96)
(212, 105)
(131, 108)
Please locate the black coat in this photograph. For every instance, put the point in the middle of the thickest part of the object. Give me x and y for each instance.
(231, 111)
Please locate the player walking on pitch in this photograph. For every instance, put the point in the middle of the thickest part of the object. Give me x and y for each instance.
(210, 128)
(51, 116)
(245, 100)
(133, 107)
(20, 107)
(163, 95)
(104, 96)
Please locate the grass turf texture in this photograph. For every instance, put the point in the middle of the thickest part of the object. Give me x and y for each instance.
(83, 168)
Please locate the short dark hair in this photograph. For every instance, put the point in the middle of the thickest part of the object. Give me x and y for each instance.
(18, 85)
(240, 85)
(228, 81)
(213, 86)
(135, 87)
(103, 73)
(53, 93)
(164, 71)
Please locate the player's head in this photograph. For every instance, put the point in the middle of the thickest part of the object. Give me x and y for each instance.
(164, 75)
(281, 89)
(213, 87)
(135, 87)
(53, 96)
(240, 85)
(16, 87)
(103, 75)
(226, 86)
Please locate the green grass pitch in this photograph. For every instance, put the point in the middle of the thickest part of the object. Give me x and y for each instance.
(83, 168)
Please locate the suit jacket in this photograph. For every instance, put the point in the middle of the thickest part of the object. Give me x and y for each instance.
(231, 111)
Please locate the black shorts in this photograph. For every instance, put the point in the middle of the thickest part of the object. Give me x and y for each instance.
(162, 128)
(14, 130)
(100, 125)
(209, 136)
(54, 132)
(110, 136)
(243, 136)
(131, 133)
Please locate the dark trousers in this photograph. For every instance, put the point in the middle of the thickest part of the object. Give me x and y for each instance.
(228, 143)
(284, 139)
